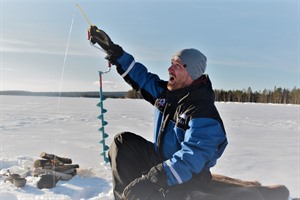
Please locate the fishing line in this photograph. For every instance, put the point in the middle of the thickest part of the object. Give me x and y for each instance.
(1, 79)
(65, 57)
(298, 85)
(62, 73)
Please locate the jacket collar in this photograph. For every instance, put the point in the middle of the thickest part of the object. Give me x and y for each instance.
(196, 84)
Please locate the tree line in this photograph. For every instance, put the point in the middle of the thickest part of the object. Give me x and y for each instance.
(277, 96)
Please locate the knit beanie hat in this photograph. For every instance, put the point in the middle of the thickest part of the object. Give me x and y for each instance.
(194, 61)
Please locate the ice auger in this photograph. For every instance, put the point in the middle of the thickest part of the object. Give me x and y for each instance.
(101, 116)
(101, 99)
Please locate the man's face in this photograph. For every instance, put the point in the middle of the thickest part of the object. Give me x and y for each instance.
(178, 76)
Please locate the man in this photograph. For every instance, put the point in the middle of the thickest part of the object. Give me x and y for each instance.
(189, 133)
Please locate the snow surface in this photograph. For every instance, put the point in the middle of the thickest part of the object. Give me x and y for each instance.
(263, 142)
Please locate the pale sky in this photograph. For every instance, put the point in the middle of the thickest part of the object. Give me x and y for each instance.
(44, 44)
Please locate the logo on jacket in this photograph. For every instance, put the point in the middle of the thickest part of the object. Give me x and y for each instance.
(182, 119)
(161, 103)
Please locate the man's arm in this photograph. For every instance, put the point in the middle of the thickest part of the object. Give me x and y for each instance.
(134, 73)
(137, 75)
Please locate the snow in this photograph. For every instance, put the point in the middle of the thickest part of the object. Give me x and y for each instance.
(263, 142)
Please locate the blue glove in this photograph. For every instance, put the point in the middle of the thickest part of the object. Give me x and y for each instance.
(141, 188)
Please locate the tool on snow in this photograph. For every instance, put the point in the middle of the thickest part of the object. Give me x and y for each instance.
(15, 179)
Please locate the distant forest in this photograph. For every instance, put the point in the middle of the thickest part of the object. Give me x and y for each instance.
(277, 96)
(64, 94)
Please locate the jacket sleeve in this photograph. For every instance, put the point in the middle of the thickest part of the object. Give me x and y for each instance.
(137, 75)
(203, 144)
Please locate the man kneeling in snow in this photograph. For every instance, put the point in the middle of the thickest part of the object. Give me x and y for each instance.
(189, 133)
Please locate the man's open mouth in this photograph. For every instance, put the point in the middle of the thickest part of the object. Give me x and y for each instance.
(171, 78)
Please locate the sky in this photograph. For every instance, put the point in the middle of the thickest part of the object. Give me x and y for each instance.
(248, 43)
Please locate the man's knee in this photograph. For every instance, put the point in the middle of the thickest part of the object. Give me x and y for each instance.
(121, 140)
(123, 136)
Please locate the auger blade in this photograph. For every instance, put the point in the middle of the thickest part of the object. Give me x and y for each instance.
(104, 123)
(105, 135)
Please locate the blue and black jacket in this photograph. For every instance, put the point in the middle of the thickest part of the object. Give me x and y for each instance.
(189, 133)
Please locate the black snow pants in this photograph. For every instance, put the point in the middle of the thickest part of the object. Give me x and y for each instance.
(131, 156)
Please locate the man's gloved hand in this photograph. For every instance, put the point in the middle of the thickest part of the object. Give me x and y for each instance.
(141, 188)
(98, 36)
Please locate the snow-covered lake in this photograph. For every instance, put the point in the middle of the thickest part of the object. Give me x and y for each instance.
(263, 139)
